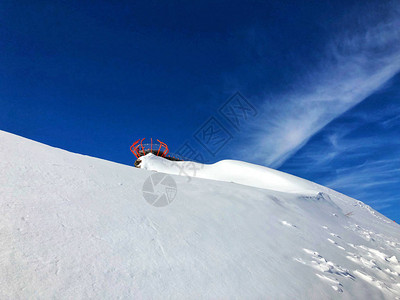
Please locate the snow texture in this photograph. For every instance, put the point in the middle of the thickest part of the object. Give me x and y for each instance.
(77, 227)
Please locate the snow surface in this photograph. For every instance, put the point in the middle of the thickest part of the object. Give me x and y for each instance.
(232, 171)
(77, 227)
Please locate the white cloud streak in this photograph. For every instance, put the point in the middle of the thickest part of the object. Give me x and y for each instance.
(353, 67)
(369, 164)
(375, 182)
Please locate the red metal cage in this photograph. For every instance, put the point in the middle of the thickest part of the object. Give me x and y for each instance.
(139, 149)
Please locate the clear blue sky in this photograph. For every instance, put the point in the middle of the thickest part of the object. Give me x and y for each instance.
(320, 79)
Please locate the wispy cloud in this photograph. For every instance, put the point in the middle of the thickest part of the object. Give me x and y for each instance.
(359, 159)
(354, 66)
(375, 182)
(367, 175)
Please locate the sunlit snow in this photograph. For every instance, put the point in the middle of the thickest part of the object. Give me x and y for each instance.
(77, 227)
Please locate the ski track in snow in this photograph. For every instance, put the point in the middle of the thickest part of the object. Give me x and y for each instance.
(385, 268)
(323, 265)
(337, 286)
(336, 244)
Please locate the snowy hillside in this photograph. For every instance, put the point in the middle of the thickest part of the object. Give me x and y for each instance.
(77, 227)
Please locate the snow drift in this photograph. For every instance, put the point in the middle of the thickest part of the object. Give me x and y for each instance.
(231, 171)
(76, 227)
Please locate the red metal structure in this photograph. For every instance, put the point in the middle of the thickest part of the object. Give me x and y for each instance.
(139, 149)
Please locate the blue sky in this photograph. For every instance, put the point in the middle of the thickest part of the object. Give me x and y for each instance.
(320, 81)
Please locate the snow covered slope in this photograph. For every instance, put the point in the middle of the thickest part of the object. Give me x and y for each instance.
(232, 171)
(77, 227)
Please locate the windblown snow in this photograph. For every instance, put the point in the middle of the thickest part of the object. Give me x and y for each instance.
(77, 227)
